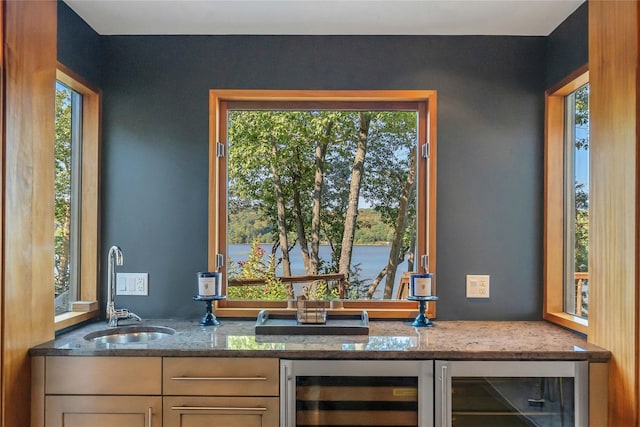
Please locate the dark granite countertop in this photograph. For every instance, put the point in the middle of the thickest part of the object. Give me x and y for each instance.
(452, 340)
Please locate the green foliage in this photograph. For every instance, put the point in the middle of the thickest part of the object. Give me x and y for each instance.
(321, 291)
(62, 190)
(581, 224)
(291, 142)
(581, 211)
(582, 116)
(581, 249)
(255, 267)
(372, 229)
(249, 225)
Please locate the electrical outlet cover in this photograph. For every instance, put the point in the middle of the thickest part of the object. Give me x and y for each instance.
(478, 286)
(132, 284)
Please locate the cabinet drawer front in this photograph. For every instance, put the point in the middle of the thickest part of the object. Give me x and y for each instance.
(190, 411)
(104, 411)
(220, 376)
(103, 375)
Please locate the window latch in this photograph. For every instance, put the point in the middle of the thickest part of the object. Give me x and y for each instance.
(426, 151)
(219, 149)
(219, 261)
(424, 262)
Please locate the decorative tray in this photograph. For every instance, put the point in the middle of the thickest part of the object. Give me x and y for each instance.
(336, 324)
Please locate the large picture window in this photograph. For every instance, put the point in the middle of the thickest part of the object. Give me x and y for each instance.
(76, 199)
(567, 202)
(325, 195)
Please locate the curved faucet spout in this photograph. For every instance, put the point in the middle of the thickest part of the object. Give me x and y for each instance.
(115, 257)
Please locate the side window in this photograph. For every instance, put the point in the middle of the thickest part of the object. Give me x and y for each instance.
(68, 152)
(567, 203)
(76, 199)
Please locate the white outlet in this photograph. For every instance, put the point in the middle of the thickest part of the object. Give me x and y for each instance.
(477, 286)
(132, 284)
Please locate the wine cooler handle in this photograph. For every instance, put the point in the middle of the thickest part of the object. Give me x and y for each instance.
(284, 395)
(444, 400)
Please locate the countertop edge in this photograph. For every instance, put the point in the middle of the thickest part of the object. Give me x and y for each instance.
(594, 357)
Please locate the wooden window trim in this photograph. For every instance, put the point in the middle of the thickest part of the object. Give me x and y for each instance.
(424, 101)
(90, 185)
(553, 309)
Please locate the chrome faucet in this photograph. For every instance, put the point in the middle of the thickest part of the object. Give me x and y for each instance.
(114, 314)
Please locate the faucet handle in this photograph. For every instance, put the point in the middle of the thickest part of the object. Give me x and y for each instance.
(123, 313)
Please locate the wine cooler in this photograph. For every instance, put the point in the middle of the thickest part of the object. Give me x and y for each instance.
(356, 393)
(511, 394)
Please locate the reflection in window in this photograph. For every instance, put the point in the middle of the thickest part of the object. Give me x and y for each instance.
(577, 202)
(327, 194)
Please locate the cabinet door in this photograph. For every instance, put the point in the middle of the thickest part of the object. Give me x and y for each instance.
(187, 411)
(103, 411)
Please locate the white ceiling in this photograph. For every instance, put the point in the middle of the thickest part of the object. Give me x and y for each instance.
(343, 17)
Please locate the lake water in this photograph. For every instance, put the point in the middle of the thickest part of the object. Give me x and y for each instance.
(371, 259)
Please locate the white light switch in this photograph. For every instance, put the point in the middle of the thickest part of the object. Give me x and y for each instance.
(477, 286)
(132, 284)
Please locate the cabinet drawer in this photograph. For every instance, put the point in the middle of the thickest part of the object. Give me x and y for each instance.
(190, 411)
(220, 376)
(103, 375)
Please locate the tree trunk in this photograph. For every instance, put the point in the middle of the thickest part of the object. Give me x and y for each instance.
(374, 284)
(351, 216)
(64, 266)
(411, 259)
(321, 153)
(302, 236)
(401, 226)
(282, 223)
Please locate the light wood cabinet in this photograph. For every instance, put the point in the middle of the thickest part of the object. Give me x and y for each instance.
(103, 411)
(71, 391)
(99, 392)
(208, 392)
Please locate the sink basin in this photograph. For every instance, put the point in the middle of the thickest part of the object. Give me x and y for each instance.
(129, 334)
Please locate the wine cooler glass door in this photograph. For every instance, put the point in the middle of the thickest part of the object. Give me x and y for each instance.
(511, 394)
(356, 393)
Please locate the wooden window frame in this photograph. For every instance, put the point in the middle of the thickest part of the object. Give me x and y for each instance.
(89, 197)
(554, 208)
(424, 101)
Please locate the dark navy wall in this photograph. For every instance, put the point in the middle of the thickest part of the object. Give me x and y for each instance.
(568, 46)
(490, 139)
(78, 45)
(490, 145)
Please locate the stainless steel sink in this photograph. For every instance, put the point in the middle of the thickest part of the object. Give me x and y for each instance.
(129, 334)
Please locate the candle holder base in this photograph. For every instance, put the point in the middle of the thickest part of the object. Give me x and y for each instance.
(422, 320)
(209, 319)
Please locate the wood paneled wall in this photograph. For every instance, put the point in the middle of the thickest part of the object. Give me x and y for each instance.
(29, 64)
(613, 258)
